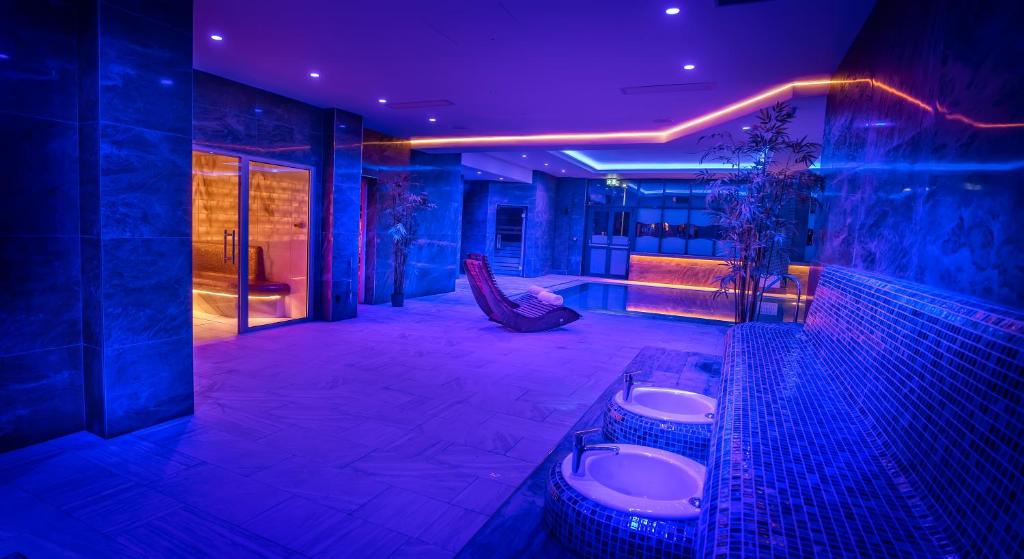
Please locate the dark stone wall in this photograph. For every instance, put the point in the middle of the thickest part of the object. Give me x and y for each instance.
(41, 382)
(135, 122)
(339, 228)
(236, 118)
(433, 264)
(931, 190)
(474, 218)
(434, 256)
(569, 223)
(555, 210)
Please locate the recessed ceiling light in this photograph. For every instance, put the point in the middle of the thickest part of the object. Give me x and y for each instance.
(746, 128)
(382, 100)
(314, 74)
(216, 37)
(563, 170)
(432, 119)
(546, 164)
(479, 172)
(672, 11)
(524, 156)
(689, 67)
(501, 178)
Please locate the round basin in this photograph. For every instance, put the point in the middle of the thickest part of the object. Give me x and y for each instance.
(639, 480)
(669, 404)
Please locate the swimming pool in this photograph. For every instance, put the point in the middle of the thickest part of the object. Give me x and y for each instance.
(668, 302)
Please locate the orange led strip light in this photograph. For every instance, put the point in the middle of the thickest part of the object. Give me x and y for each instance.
(668, 134)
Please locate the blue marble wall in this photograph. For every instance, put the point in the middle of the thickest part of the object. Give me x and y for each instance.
(434, 256)
(569, 222)
(541, 201)
(433, 264)
(339, 227)
(931, 192)
(41, 382)
(474, 218)
(236, 118)
(135, 123)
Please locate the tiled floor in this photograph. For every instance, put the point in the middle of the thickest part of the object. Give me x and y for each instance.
(393, 435)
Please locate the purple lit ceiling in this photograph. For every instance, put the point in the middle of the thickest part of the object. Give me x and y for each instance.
(528, 66)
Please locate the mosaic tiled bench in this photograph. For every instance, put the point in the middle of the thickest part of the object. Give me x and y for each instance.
(889, 426)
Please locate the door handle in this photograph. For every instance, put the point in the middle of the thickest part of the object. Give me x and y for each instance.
(225, 246)
(233, 246)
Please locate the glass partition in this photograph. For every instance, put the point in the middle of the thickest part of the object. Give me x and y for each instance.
(278, 249)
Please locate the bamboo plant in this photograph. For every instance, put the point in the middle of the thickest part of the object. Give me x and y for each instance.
(752, 203)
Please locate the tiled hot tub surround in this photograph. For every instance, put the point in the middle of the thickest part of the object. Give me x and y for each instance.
(689, 439)
(593, 530)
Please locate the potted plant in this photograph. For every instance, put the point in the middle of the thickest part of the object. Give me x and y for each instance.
(753, 203)
(400, 206)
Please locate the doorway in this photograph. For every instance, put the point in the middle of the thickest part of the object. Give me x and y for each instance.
(509, 228)
(250, 219)
(608, 243)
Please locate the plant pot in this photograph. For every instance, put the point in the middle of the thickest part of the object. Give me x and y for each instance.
(397, 299)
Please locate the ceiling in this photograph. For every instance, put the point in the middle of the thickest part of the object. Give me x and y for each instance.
(530, 66)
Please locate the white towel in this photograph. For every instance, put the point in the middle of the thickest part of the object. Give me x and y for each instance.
(550, 298)
(535, 290)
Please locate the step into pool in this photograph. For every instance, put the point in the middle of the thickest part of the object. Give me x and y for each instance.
(669, 302)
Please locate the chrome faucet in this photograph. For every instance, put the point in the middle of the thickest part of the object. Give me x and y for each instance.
(580, 446)
(629, 382)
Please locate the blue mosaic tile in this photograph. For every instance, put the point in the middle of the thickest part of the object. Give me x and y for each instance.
(888, 426)
(595, 531)
(689, 439)
(933, 374)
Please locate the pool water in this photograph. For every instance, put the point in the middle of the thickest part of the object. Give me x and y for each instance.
(667, 302)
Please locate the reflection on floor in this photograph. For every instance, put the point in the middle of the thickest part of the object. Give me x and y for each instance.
(393, 435)
(210, 327)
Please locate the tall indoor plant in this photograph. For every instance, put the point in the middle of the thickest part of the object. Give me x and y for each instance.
(752, 203)
(400, 207)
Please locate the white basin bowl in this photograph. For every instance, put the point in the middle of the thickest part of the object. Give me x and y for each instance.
(640, 480)
(669, 404)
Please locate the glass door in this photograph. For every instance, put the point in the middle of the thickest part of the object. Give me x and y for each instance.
(250, 219)
(215, 197)
(608, 242)
(277, 243)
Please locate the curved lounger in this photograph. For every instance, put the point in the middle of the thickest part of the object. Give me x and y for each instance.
(524, 314)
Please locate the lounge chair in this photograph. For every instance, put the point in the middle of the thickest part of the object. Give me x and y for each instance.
(525, 313)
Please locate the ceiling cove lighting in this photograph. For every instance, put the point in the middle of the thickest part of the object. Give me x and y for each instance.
(217, 37)
(643, 165)
(689, 67)
(772, 95)
(672, 11)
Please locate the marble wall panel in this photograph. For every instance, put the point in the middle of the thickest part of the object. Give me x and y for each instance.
(41, 394)
(931, 191)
